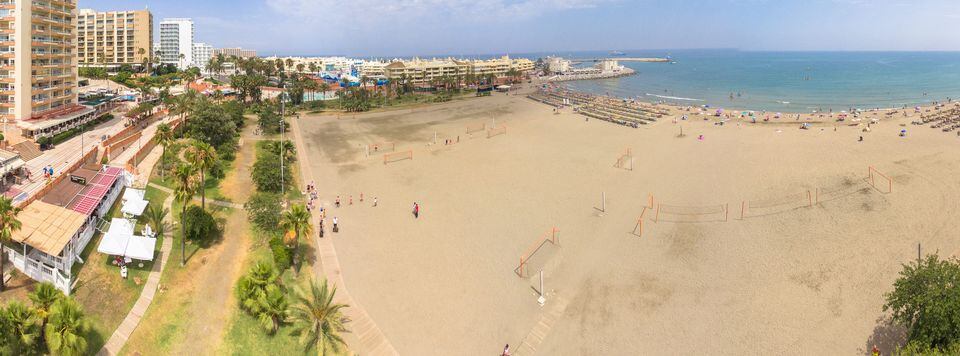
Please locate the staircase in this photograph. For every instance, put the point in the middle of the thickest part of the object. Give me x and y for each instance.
(27, 150)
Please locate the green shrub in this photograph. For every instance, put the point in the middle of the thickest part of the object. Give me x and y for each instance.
(263, 210)
(200, 225)
(282, 256)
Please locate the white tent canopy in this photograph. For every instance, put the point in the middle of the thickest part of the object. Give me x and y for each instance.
(120, 241)
(133, 202)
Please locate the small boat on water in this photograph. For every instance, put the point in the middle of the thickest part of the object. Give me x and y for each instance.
(617, 53)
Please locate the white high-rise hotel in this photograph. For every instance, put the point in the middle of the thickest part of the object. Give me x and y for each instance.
(176, 42)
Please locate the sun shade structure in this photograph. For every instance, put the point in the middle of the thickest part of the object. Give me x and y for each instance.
(120, 241)
(48, 227)
(133, 202)
(91, 196)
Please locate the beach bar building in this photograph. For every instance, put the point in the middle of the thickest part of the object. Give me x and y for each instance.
(57, 228)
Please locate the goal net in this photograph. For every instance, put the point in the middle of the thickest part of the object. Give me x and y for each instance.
(476, 127)
(380, 147)
(397, 156)
(496, 131)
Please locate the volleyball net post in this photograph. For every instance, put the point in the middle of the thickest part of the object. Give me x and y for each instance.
(873, 175)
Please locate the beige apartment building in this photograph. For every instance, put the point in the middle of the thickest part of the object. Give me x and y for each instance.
(235, 52)
(419, 71)
(38, 68)
(114, 38)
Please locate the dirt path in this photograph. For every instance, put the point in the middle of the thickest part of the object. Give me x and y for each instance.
(213, 299)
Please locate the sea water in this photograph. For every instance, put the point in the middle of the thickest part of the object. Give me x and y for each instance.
(784, 81)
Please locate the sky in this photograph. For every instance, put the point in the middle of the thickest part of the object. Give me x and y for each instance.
(386, 28)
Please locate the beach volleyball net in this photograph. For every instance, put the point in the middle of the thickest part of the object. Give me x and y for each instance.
(497, 131)
(397, 156)
(381, 147)
(691, 213)
(553, 236)
(774, 205)
(471, 128)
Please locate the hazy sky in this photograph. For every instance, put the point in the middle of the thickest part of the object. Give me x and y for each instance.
(425, 27)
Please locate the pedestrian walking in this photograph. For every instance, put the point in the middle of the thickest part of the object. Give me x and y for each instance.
(335, 227)
(338, 201)
(416, 210)
(374, 201)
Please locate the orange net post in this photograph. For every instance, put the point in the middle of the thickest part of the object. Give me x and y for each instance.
(553, 236)
(809, 198)
(743, 208)
(398, 156)
(650, 201)
(872, 178)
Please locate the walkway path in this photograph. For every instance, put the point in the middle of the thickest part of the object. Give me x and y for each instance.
(129, 324)
(371, 339)
(224, 204)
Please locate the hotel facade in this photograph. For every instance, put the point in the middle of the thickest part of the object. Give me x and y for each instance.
(176, 42)
(421, 71)
(237, 52)
(38, 68)
(114, 38)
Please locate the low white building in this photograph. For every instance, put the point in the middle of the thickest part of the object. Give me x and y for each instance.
(202, 53)
(558, 65)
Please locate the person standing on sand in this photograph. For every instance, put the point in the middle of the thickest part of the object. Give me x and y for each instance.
(374, 201)
(506, 350)
(338, 201)
(335, 229)
(416, 210)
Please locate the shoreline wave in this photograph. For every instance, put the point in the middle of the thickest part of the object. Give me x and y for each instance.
(673, 97)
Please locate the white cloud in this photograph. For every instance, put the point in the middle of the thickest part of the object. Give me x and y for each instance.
(448, 9)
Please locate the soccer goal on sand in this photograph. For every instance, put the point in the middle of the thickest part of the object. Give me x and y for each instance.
(397, 156)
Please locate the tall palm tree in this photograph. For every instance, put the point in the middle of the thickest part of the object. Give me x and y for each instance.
(203, 156)
(141, 52)
(318, 320)
(164, 137)
(43, 298)
(313, 67)
(66, 328)
(184, 187)
(8, 224)
(23, 328)
(155, 215)
(297, 219)
(274, 308)
(300, 67)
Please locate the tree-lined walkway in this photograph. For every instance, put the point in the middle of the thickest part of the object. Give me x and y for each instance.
(371, 338)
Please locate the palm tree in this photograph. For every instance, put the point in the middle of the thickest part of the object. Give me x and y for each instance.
(8, 224)
(313, 67)
(297, 219)
(155, 216)
(185, 186)
(203, 156)
(23, 328)
(141, 52)
(66, 329)
(274, 308)
(318, 320)
(164, 137)
(300, 67)
(43, 298)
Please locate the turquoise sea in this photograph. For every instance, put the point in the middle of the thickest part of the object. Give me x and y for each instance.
(783, 81)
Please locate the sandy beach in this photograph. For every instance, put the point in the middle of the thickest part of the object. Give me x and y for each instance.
(790, 276)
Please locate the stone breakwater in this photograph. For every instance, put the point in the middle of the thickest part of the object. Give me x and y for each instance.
(570, 77)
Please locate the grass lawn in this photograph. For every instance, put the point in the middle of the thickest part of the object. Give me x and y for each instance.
(106, 298)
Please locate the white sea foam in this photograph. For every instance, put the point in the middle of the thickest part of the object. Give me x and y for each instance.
(672, 97)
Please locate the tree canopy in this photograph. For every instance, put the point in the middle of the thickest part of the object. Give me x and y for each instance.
(926, 301)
